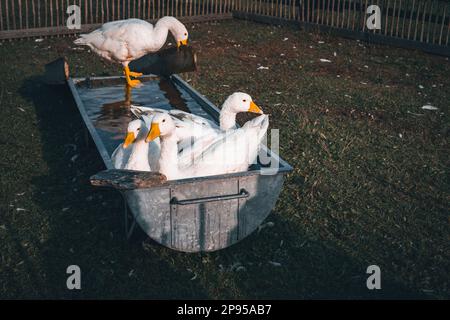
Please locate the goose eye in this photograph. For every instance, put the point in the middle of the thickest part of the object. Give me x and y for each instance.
(138, 129)
(185, 34)
(245, 100)
(164, 120)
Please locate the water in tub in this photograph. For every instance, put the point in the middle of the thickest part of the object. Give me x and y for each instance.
(108, 105)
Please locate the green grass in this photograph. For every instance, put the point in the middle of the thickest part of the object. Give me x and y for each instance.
(370, 182)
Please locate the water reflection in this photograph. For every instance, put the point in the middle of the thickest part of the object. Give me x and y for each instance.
(174, 95)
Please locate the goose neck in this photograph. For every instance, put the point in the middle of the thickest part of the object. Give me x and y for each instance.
(168, 161)
(138, 156)
(160, 31)
(227, 119)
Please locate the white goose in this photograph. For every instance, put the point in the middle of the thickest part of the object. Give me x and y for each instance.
(234, 104)
(126, 40)
(232, 151)
(134, 153)
(190, 127)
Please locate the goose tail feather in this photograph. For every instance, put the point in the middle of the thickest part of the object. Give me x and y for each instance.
(81, 40)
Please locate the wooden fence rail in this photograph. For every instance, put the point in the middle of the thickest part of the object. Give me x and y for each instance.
(426, 21)
(24, 14)
(415, 22)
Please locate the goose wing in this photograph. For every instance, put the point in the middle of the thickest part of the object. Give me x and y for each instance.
(189, 127)
(120, 157)
(231, 151)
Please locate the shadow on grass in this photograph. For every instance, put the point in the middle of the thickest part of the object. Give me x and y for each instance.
(85, 227)
(86, 224)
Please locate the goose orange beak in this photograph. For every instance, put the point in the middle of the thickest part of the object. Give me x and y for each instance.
(129, 139)
(254, 108)
(154, 132)
(182, 43)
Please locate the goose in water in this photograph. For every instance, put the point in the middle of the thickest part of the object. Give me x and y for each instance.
(134, 153)
(191, 127)
(234, 104)
(232, 151)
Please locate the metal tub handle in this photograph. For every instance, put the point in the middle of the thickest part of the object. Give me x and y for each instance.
(242, 194)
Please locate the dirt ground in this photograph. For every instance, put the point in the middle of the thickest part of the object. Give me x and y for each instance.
(370, 183)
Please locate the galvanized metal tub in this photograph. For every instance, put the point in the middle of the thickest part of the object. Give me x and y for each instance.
(191, 215)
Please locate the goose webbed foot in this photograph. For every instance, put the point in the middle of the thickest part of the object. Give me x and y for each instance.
(136, 74)
(128, 74)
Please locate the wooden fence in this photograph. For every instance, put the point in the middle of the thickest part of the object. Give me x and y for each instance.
(29, 18)
(423, 24)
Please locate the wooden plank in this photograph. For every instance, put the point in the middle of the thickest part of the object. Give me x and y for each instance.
(113, 7)
(313, 5)
(442, 25)
(127, 179)
(91, 12)
(398, 18)
(328, 12)
(386, 24)
(102, 9)
(96, 13)
(379, 5)
(354, 15)
(33, 11)
(57, 12)
(363, 11)
(19, 7)
(108, 18)
(7, 15)
(1, 16)
(13, 13)
(432, 5)
(404, 19)
(411, 19)
(423, 20)
(302, 10)
(51, 12)
(39, 13)
(435, 23)
(153, 9)
(294, 13)
(333, 13)
(308, 10)
(448, 33)
(62, 30)
(417, 20)
(85, 9)
(338, 17)
(349, 10)
(393, 18)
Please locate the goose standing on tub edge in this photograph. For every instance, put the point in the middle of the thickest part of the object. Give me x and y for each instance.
(126, 40)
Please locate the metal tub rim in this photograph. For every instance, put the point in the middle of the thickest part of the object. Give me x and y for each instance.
(208, 106)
